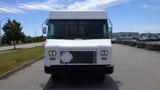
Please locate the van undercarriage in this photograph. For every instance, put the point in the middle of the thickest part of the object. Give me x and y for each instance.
(106, 69)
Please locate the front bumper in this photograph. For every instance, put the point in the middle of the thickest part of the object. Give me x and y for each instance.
(106, 69)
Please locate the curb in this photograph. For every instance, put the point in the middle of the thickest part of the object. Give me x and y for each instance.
(6, 74)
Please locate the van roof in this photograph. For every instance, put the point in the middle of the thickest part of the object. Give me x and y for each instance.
(78, 15)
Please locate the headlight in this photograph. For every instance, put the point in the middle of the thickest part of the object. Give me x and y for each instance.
(52, 53)
(104, 53)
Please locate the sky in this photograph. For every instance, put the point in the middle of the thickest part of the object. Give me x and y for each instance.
(126, 15)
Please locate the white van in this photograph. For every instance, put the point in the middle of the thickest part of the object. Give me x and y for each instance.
(78, 41)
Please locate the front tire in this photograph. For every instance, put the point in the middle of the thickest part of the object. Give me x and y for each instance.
(55, 77)
(101, 77)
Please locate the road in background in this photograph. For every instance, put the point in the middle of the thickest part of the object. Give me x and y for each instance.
(135, 69)
(21, 46)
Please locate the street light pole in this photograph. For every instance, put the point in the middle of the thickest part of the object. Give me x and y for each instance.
(1, 31)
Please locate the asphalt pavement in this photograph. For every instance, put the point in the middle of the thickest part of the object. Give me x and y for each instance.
(135, 69)
(4, 48)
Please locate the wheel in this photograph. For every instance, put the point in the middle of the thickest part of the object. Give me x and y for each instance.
(101, 77)
(55, 77)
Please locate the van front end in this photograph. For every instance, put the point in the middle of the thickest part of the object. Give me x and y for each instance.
(78, 42)
(62, 56)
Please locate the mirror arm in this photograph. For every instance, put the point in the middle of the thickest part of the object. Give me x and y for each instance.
(44, 28)
(111, 27)
(47, 21)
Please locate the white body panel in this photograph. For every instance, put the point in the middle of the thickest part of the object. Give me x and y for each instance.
(77, 15)
(78, 45)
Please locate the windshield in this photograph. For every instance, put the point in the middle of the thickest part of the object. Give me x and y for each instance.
(77, 29)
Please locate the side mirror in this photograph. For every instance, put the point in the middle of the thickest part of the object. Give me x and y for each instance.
(110, 29)
(44, 30)
(47, 21)
(110, 32)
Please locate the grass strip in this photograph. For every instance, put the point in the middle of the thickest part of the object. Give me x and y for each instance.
(13, 59)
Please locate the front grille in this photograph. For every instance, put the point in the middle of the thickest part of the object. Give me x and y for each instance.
(83, 56)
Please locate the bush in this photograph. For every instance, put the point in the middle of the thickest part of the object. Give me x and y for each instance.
(119, 42)
(132, 43)
(141, 45)
(153, 47)
(125, 42)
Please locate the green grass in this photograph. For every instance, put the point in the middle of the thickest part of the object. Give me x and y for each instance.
(10, 60)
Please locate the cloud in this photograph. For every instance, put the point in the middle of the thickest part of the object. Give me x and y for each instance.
(4, 7)
(49, 5)
(151, 5)
(10, 10)
(93, 4)
(46, 6)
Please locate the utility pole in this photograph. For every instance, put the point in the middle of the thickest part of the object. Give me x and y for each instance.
(1, 31)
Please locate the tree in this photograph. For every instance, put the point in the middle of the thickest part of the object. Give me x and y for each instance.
(13, 32)
(23, 37)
